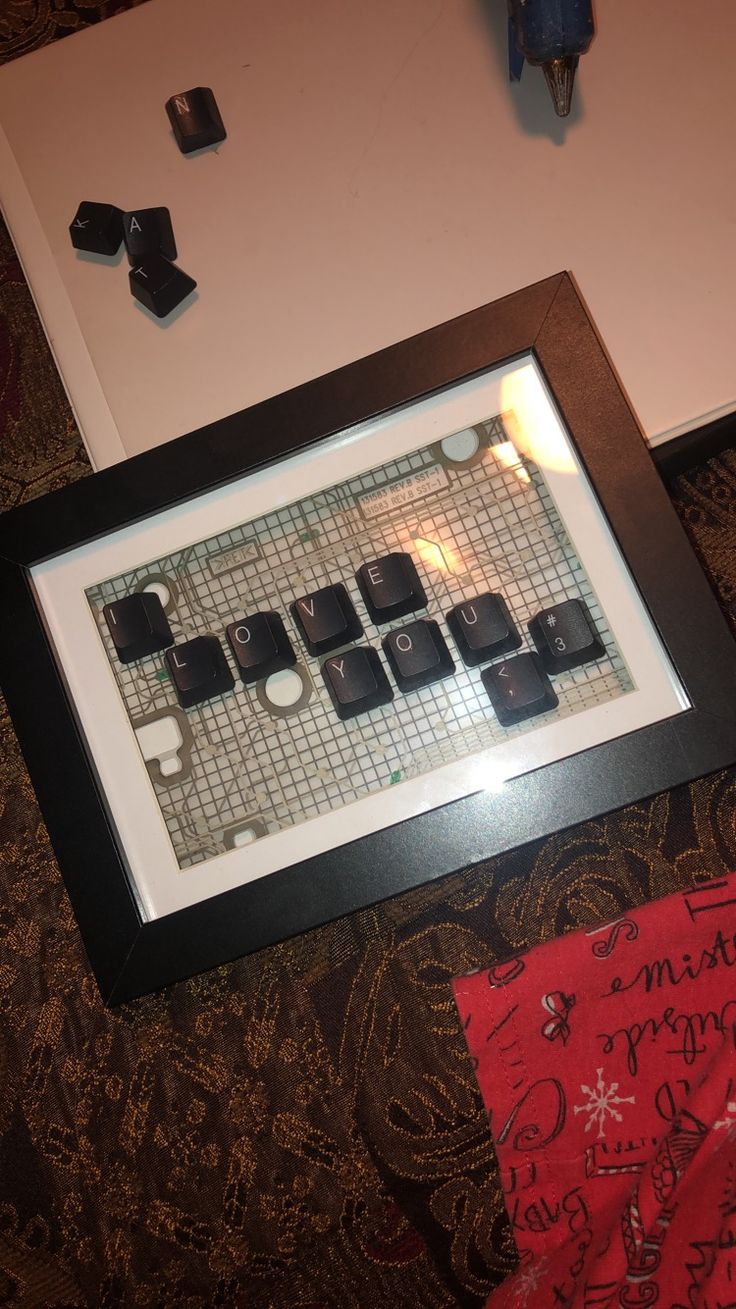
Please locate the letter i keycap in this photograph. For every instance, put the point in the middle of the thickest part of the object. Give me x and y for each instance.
(138, 626)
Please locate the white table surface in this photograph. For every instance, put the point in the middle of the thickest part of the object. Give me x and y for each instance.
(380, 176)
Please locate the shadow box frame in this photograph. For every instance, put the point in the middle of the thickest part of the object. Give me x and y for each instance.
(548, 322)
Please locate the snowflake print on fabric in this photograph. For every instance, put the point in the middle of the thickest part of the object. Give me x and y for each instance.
(601, 1102)
(528, 1280)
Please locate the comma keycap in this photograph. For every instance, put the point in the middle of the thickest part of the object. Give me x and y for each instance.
(565, 636)
(326, 619)
(195, 119)
(97, 228)
(148, 232)
(418, 655)
(198, 670)
(356, 681)
(482, 628)
(138, 626)
(260, 646)
(390, 587)
(519, 688)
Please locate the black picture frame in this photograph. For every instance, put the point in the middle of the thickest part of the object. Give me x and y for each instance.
(548, 320)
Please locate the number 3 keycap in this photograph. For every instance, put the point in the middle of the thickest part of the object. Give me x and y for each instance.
(565, 636)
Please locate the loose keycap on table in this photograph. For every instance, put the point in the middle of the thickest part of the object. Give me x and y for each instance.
(326, 619)
(565, 636)
(97, 228)
(260, 645)
(198, 670)
(356, 681)
(138, 626)
(483, 628)
(195, 119)
(390, 587)
(418, 655)
(148, 232)
(159, 285)
(519, 688)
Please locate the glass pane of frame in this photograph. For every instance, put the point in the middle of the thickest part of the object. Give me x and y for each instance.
(481, 488)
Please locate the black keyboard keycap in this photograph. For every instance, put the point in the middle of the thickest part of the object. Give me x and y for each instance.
(159, 285)
(326, 619)
(97, 228)
(148, 232)
(356, 681)
(565, 636)
(138, 626)
(418, 655)
(519, 688)
(199, 670)
(483, 628)
(260, 646)
(390, 587)
(195, 119)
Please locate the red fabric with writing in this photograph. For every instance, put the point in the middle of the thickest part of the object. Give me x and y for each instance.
(606, 1060)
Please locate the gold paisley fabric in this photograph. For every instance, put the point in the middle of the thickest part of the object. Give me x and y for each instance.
(27, 24)
(301, 1128)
